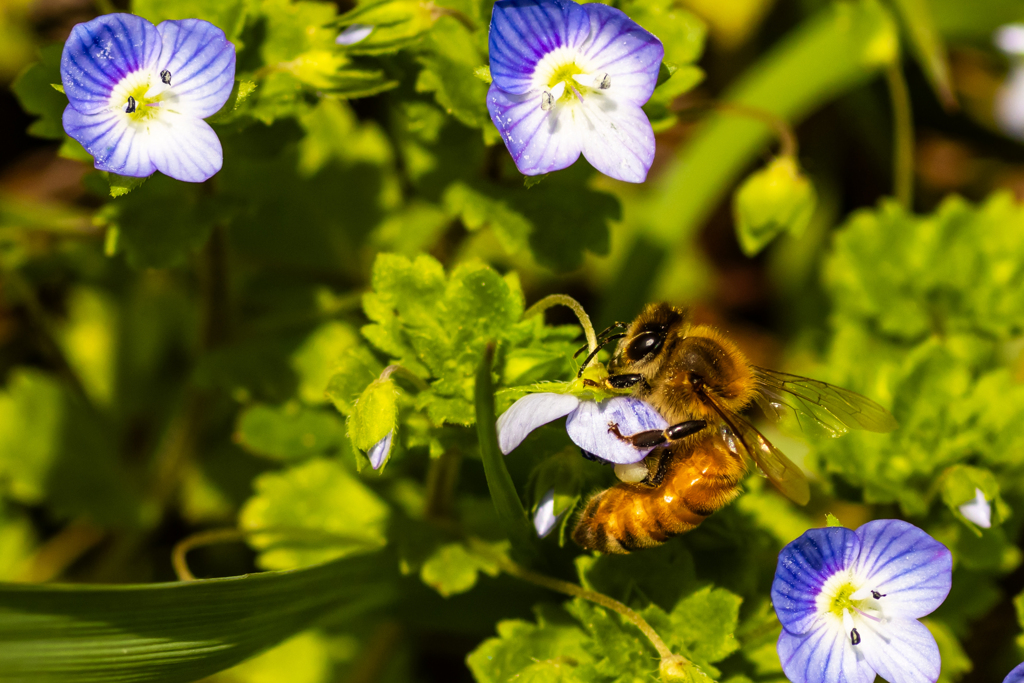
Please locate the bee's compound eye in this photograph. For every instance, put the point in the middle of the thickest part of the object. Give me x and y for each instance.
(643, 344)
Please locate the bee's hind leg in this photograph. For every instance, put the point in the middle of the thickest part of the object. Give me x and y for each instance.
(657, 437)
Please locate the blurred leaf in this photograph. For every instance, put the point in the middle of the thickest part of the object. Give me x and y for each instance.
(89, 338)
(290, 432)
(314, 512)
(772, 200)
(476, 211)
(375, 414)
(353, 372)
(928, 47)
(17, 542)
(955, 663)
(449, 60)
(680, 31)
(960, 484)
(121, 185)
(703, 623)
(316, 361)
(396, 24)
(227, 15)
(452, 569)
(304, 658)
(334, 133)
(36, 96)
(175, 632)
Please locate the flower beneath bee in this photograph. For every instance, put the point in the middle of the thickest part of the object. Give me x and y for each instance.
(138, 94)
(571, 79)
(589, 423)
(849, 603)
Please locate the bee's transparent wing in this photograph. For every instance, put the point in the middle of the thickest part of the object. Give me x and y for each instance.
(832, 408)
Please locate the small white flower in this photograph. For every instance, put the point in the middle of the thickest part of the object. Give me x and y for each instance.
(545, 519)
(356, 33)
(978, 510)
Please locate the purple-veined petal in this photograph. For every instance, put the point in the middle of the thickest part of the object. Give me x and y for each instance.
(115, 144)
(378, 454)
(1016, 675)
(545, 519)
(899, 650)
(978, 510)
(354, 33)
(100, 53)
(616, 137)
(183, 147)
(822, 655)
(199, 61)
(911, 569)
(804, 567)
(589, 427)
(539, 141)
(620, 47)
(524, 31)
(530, 412)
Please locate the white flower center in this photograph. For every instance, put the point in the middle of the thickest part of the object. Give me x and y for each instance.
(140, 94)
(564, 76)
(851, 599)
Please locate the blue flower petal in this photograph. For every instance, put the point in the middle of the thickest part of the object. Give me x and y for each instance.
(530, 412)
(620, 47)
(1015, 676)
(912, 569)
(115, 145)
(823, 655)
(539, 141)
(900, 650)
(617, 137)
(544, 519)
(355, 33)
(589, 427)
(184, 148)
(523, 31)
(100, 53)
(804, 566)
(200, 63)
(380, 451)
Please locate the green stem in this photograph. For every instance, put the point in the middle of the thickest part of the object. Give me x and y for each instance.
(404, 372)
(788, 145)
(903, 136)
(571, 589)
(564, 300)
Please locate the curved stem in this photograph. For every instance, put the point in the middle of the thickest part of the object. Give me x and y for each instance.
(404, 372)
(788, 145)
(198, 540)
(903, 136)
(557, 585)
(565, 300)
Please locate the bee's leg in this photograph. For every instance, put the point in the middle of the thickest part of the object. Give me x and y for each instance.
(657, 437)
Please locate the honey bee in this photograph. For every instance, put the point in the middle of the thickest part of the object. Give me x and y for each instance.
(701, 383)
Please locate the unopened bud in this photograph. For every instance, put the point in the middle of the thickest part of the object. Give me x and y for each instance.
(775, 199)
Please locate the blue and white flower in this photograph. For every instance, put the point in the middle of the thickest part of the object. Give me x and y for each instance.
(588, 423)
(1015, 676)
(138, 94)
(849, 603)
(571, 79)
(978, 510)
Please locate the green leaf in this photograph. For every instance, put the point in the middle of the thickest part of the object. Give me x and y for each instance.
(314, 512)
(452, 569)
(396, 24)
(375, 414)
(960, 484)
(477, 210)
(928, 47)
(353, 372)
(503, 492)
(317, 360)
(290, 432)
(228, 15)
(305, 658)
(334, 134)
(33, 88)
(450, 59)
(483, 73)
(831, 520)
(704, 623)
(175, 632)
(121, 185)
(772, 200)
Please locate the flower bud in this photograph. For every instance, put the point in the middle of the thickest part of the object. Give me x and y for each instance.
(776, 198)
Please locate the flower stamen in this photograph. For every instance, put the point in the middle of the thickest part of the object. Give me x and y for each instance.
(165, 76)
(854, 637)
(130, 109)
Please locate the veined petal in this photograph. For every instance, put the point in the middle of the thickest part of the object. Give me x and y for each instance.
(183, 147)
(900, 650)
(911, 569)
(804, 567)
(978, 510)
(100, 53)
(200, 64)
(114, 143)
(1016, 675)
(589, 427)
(620, 47)
(378, 454)
(530, 412)
(524, 31)
(544, 519)
(616, 136)
(539, 141)
(823, 654)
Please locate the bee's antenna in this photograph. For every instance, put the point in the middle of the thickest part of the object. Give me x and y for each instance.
(603, 338)
(594, 353)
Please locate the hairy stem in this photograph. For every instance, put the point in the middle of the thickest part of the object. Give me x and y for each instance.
(903, 136)
(564, 300)
(571, 589)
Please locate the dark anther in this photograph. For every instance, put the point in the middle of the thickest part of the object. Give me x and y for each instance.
(165, 76)
(130, 109)
(854, 637)
(876, 595)
(624, 381)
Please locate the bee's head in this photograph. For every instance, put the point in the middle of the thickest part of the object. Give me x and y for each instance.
(643, 348)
